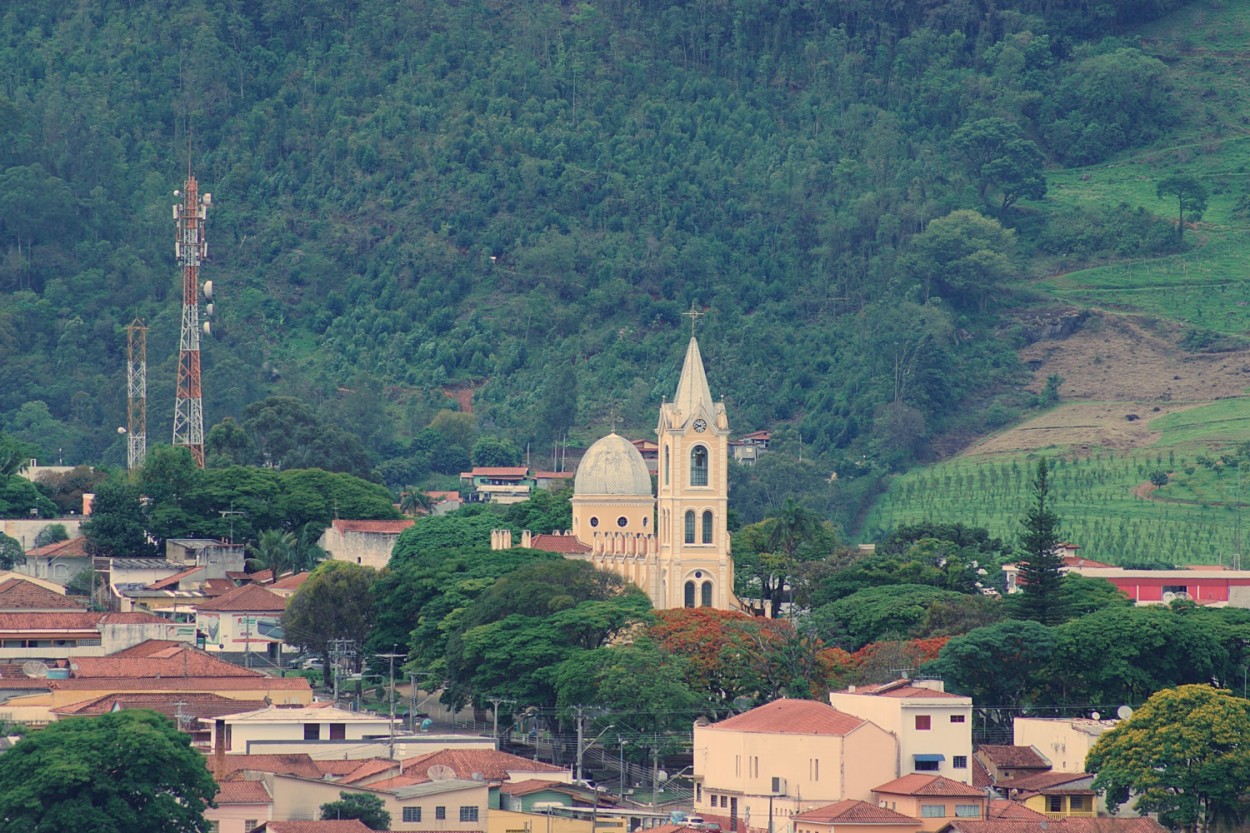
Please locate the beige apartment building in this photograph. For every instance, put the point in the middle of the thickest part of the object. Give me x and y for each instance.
(933, 727)
(790, 756)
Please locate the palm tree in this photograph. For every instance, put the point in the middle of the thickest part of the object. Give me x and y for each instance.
(307, 553)
(413, 500)
(273, 550)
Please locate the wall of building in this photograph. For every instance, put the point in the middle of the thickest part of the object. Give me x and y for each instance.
(949, 733)
(25, 530)
(914, 806)
(809, 827)
(369, 549)
(300, 799)
(234, 818)
(1065, 742)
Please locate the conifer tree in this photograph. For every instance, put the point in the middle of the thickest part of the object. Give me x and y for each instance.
(1040, 561)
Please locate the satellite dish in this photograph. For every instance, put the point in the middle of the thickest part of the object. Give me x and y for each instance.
(1124, 712)
(441, 772)
(1095, 715)
(208, 290)
(208, 329)
(742, 703)
(477, 776)
(661, 775)
(34, 668)
(208, 308)
(73, 666)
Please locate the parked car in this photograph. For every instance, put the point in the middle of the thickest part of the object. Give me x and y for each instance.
(313, 664)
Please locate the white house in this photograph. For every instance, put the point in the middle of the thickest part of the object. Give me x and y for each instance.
(274, 729)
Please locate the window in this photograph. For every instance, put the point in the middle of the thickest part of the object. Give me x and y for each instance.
(706, 599)
(412, 814)
(932, 811)
(698, 466)
(959, 761)
(338, 731)
(440, 813)
(814, 768)
(1080, 803)
(666, 465)
(707, 527)
(733, 807)
(690, 594)
(250, 824)
(777, 786)
(622, 521)
(967, 811)
(923, 722)
(925, 766)
(689, 526)
(698, 792)
(468, 813)
(312, 731)
(1054, 804)
(594, 522)
(959, 718)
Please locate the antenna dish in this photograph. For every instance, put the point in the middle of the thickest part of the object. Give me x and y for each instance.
(208, 329)
(441, 772)
(1124, 712)
(1168, 596)
(1095, 716)
(208, 308)
(208, 290)
(34, 669)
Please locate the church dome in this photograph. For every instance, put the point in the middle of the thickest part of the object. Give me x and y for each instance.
(612, 466)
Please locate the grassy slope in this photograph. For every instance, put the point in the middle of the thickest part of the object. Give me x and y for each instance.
(1195, 518)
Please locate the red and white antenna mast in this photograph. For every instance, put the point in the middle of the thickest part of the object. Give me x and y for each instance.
(191, 249)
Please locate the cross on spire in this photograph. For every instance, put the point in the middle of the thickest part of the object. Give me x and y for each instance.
(613, 420)
(694, 314)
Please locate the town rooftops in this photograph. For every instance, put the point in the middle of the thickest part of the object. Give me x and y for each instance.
(851, 811)
(326, 714)
(249, 597)
(1048, 782)
(291, 763)
(1014, 757)
(72, 548)
(372, 527)
(567, 544)
(905, 689)
(152, 648)
(18, 594)
(1102, 824)
(73, 620)
(185, 662)
(465, 763)
(119, 684)
(171, 582)
(188, 704)
(919, 783)
(243, 792)
(291, 582)
(1000, 808)
(792, 717)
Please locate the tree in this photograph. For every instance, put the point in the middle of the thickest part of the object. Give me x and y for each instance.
(51, 534)
(1041, 578)
(495, 451)
(369, 809)
(1185, 754)
(895, 611)
(963, 257)
(767, 554)
(999, 156)
(274, 550)
(1191, 199)
(11, 553)
(118, 526)
(127, 770)
(336, 602)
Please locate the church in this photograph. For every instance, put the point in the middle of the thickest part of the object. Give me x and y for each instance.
(674, 544)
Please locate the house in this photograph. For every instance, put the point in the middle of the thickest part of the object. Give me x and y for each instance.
(242, 806)
(287, 586)
(37, 635)
(328, 826)
(1065, 741)
(1205, 584)
(497, 484)
(19, 593)
(553, 480)
(1071, 825)
(191, 711)
(933, 726)
(488, 766)
(1002, 762)
(1054, 794)
(443, 502)
(933, 799)
(747, 448)
(788, 756)
(275, 729)
(58, 562)
(217, 556)
(368, 543)
(538, 794)
(248, 619)
(851, 816)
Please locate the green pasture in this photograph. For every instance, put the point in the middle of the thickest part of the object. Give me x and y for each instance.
(1193, 519)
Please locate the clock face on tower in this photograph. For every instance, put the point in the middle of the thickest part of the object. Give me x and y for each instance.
(700, 425)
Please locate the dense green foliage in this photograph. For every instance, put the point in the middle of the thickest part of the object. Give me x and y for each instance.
(127, 770)
(401, 212)
(369, 809)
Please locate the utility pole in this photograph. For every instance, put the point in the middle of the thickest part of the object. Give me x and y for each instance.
(392, 657)
(655, 768)
(580, 714)
(247, 641)
(494, 733)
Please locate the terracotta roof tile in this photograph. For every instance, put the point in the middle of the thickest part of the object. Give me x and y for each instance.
(291, 763)
(187, 662)
(902, 688)
(216, 587)
(151, 648)
(375, 527)
(1038, 781)
(530, 785)
(169, 703)
(291, 582)
(1102, 824)
(172, 581)
(17, 594)
(72, 548)
(333, 826)
(920, 784)
(799, 717)
(249, 597)
(980, 775)
(396, 782)
(493, 765)
(851, 811)
(80, 620)
(1014, 757)
(499, 471)
(243, 792)
(558, 543)
(119, 684)
(1013, 811)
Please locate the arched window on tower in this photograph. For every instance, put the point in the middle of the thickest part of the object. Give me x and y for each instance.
(706, 601)
(665, 465)
(690, 594)
(689, 526)
(698, 466)
(707, 527)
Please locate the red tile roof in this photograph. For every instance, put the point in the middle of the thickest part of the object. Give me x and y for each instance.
(920, 784)
(333, 826)
(901, 688)
(558, 543)
(243, 792)
(72, 548)
(1012, 811)
(373, 527)
(186, 662)
(80, 620)
(172, 581)
(19, 594)
(291, 582)
(493, 765)
(215, 587)
(249, 597)
(1102, 824)
(1039, 781)
(499, 471)
(851, 811)
(440, 496)
(980, 775)
(291, 763)
(151, 648)
(793, 717)
(1013, 757)
(261, 683)
(360, 770)
(534, 785)
(193, 704)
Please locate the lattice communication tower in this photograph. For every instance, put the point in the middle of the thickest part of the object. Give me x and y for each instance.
(136, 394)
(191, 249)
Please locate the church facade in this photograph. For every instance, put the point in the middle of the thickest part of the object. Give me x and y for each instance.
(674, 543)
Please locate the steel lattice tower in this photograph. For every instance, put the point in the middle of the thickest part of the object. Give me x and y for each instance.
(191, 249)
(136, 394)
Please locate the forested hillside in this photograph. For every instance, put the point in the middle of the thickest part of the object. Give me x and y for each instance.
(520, 198)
